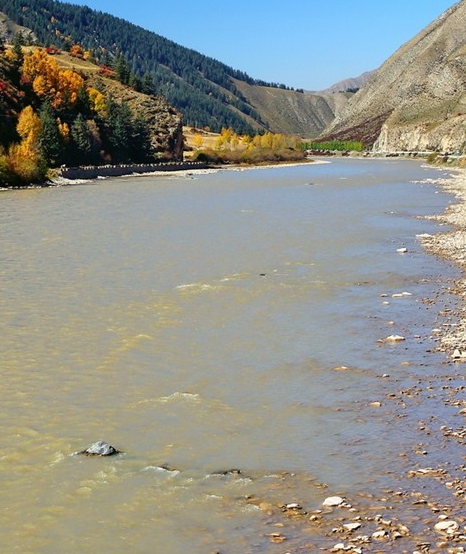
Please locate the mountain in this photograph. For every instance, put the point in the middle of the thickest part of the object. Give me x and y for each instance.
(207, 92)
(291, 112)
(351, 84)
(416, 101)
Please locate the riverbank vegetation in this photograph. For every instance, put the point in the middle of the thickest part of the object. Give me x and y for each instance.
(336, 146)
(52, 116)
(230, 148)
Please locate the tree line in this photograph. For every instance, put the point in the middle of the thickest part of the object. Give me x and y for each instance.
(230, 147)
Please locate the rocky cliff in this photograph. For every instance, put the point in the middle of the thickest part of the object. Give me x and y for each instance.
(417, 99)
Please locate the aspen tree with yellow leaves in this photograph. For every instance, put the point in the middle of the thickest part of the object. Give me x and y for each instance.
(60, 87)
(229, 147)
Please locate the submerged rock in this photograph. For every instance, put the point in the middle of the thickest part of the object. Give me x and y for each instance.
(100, 448)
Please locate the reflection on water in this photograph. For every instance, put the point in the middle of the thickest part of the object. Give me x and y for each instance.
(228, 320)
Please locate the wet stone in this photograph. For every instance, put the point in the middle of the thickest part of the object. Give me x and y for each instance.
(447, 526)
(333, 501)
(100, 448)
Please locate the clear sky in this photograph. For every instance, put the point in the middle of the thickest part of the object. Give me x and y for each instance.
(308, 44)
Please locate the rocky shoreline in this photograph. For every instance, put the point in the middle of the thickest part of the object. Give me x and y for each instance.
(451, 246)
(425, 511)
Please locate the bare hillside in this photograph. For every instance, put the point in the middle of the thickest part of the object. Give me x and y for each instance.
(418, 96)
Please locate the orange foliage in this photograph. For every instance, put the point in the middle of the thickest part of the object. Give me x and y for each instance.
(64, 130)
(61, 87)
(76, 51)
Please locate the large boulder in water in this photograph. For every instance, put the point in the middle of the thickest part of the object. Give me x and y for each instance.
(100, 448)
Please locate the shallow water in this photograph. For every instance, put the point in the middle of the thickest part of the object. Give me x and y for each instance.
(198, 322)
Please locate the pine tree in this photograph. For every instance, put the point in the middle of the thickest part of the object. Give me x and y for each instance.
(50, 140)
(147, 84)
(122, 69)
(141, 144)
(82, 142)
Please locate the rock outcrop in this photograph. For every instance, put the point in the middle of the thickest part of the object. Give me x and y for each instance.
(165, 122)
(418, 96)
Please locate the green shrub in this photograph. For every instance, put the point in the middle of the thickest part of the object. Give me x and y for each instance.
(336, 145)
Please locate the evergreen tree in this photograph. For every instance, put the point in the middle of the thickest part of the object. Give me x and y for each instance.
(82, 105)
(118, 124)
(121, 68)
(147, 84)
(18, 58)
(50, 140)
(82, 141)
(141, 145)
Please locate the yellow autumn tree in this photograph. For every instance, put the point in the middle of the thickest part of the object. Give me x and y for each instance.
(69, 83)
(61, 87)
(24, 162)
(28, 127)
(23, 159)
(97, 100)
(39, 63)
(198, 140)
(226, 138)
(64, 130)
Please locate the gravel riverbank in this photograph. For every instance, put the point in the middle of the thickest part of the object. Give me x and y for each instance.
(425, 511)
(451, 246)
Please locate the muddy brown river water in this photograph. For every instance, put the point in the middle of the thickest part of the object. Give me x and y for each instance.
(213, 322)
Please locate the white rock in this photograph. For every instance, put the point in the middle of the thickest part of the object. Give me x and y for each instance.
(448, 526)
(395, 338)
(379, 535)
(333, 501)
(352, 526)
(401, 250)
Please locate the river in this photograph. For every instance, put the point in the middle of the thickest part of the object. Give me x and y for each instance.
(202, 323)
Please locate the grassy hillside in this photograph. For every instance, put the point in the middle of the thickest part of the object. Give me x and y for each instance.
(293, 112)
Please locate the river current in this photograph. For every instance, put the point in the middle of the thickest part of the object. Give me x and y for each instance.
(203, 323)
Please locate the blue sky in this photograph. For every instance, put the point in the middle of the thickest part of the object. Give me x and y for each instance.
(308, 44)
